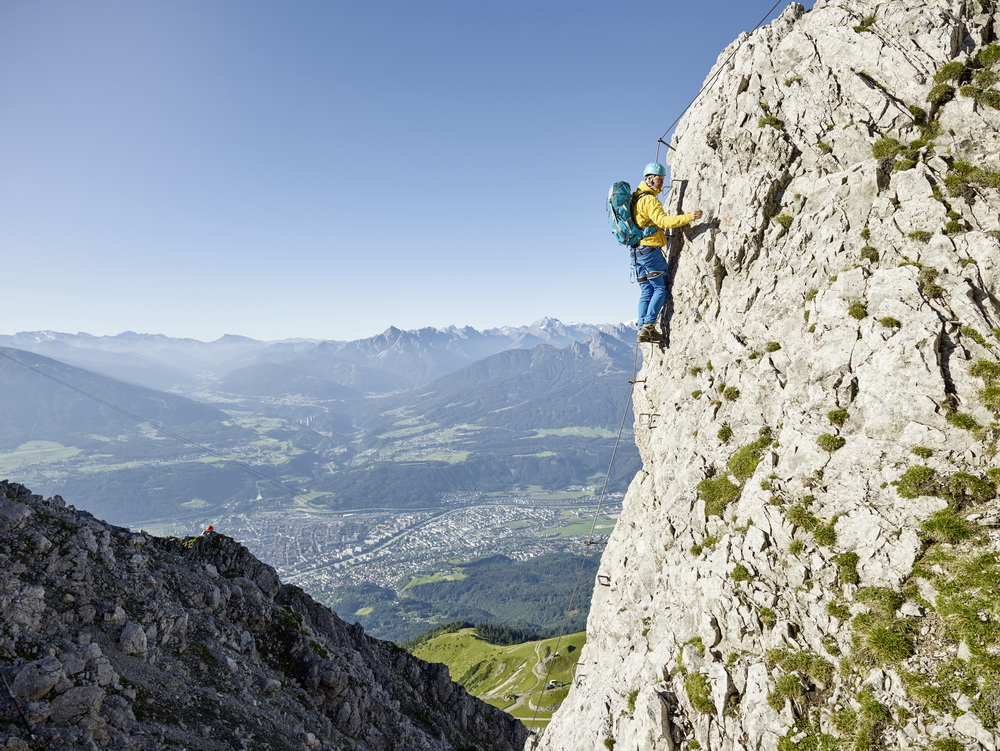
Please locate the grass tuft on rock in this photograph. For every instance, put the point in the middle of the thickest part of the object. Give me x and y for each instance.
(699, 693)
(741, 573)
(838, 417)
(743, 463)
(847, 567)
(964, 421)
(717, 493)
(916, 481)
(857, 310)
(947, 526)
(831, 443)
(868, 253)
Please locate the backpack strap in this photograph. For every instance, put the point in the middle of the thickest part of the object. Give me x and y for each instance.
(635, 201)
(645, 230)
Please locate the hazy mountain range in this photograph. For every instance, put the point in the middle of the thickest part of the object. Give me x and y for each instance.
(404, 358)
(394, 419)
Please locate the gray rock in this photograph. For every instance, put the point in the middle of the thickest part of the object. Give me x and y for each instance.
(246, 664)
(133, 640)
(36, 679)
(13, 515)
(969, 726)
(77, 702)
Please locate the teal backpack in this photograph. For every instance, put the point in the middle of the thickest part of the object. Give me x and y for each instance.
(621, 216)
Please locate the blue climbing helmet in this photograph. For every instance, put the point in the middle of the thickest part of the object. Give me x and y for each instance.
(655, 168)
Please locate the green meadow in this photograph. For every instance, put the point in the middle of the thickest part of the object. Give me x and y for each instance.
(513, 678)
(35, 452)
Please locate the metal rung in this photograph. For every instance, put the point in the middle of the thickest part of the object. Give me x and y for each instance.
(604, 580)
(649, 420)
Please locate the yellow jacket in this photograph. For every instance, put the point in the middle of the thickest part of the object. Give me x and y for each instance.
(649, 211)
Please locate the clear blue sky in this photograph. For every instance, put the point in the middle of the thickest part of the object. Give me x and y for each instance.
(320, 168)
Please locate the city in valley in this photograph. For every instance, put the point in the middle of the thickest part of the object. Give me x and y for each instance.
(320, 550)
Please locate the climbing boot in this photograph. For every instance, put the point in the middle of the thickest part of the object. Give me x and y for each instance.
(649, 333)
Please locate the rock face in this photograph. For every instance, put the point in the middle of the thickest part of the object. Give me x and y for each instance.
(120, 640)
(809, 558)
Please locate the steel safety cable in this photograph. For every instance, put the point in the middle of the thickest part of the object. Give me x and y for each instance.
(159, 428)
(614, 452)
(586, 554)
(710, 81)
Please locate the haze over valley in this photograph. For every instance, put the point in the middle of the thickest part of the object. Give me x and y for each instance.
(371, 473)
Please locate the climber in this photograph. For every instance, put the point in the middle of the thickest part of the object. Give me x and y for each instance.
(648, 261)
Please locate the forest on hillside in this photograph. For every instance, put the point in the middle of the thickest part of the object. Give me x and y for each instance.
(531, 596)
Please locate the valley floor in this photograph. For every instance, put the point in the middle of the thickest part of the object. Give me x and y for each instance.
(324, 551)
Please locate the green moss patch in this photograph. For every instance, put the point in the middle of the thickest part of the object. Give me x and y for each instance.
(847, 567)
(831, 443)
(967, 582)
(838, 417)
(699, 693)
(717, 493)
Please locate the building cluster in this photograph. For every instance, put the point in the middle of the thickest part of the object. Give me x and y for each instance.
(321, 551)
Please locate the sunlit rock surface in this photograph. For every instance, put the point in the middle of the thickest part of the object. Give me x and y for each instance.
(809, 558)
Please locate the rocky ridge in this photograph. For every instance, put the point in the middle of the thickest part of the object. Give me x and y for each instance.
(810, 558)
(112, 639)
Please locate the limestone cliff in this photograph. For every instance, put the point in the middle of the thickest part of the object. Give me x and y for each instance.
(809, 558)
(118, 640)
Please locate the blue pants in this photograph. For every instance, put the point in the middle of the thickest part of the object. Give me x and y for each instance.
(650, 271)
